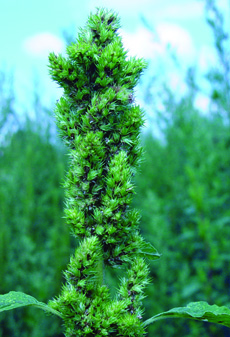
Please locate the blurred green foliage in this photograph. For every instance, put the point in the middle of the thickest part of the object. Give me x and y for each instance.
(182, 192)
(34, 242)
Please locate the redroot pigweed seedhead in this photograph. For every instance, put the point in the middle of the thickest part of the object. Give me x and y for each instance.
(100, 123)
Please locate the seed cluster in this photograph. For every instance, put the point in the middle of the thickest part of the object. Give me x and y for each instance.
(100, 123)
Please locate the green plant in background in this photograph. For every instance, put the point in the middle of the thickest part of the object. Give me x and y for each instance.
(185, 202)
(34, 244)
(184, 210)
(100, 124)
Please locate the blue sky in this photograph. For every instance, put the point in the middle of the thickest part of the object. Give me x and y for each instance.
(31, 29)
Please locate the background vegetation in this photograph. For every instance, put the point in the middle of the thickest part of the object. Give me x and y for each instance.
(182, 192)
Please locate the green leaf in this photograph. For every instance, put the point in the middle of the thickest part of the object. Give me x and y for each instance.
(201, 311)
(17, 299)
(148, 251)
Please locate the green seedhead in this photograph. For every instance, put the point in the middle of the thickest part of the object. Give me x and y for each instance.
(100, 123)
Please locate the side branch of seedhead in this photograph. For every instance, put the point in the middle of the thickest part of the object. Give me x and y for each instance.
(100, 123)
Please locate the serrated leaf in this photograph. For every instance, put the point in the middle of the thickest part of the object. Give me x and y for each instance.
(201, 311)
(148, 251)
(17, 299)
